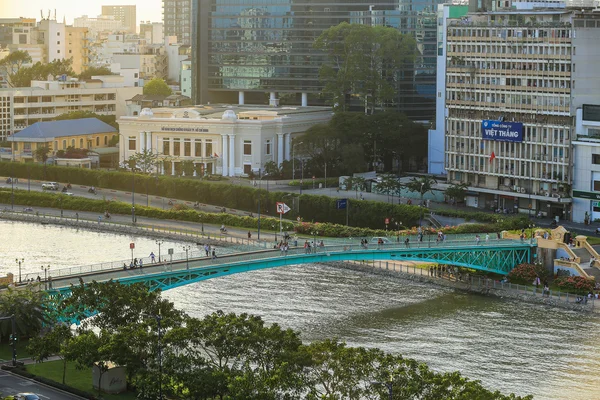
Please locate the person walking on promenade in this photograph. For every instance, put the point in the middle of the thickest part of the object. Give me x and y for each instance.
(477, 239)
(152, 257)
(214, 254)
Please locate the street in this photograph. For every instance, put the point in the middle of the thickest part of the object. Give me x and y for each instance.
(12, 384)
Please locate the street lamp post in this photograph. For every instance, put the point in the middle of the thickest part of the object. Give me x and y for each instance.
(20, 262)
(187, 260)
(46, 276)
(389, 387)
(421, 205)
(159, 242)
(294, 160)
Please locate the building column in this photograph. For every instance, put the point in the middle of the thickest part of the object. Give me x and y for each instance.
(173, 168)
(241, 98)
(279, 148)
(195, 174)
(149, 141)
(225, 156)
(142, 141)
(273, 100)
(304, 99)
(231, 155)
(288, 146)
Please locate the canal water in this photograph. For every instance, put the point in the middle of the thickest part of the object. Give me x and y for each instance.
(514, 347)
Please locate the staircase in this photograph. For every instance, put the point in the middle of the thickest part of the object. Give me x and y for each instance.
(584, 263)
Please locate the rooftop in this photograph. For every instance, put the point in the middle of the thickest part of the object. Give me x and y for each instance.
(69, 127)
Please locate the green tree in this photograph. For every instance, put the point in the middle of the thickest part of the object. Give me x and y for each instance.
(88, 349)
(95, 71)
(144, 161)
(107, 119)
(457, 192)
(39, 71)
(421, 185)
(357, 183)
(28, 307)
(271, 169)
(157, 86)
(13, 63)
(389, 184)
(53, 342)
(364, 61)
(41, 153)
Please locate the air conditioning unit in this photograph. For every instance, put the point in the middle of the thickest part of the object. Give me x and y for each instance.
(547, 194)
(523, 190)
(556, 195)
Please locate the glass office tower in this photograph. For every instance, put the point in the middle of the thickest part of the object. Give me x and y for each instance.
(252, 50)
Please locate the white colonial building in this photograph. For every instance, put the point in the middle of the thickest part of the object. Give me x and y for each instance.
(218, 139)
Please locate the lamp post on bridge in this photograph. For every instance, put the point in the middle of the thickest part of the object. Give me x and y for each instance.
(187, 247)
(19, 262)
(46, 276)
(159, 242)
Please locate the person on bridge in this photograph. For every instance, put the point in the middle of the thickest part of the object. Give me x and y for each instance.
(407, 242)
(487, 237)
(152, 257)
(249, 235)
(141, 263)
(214, 254)
(477, 239)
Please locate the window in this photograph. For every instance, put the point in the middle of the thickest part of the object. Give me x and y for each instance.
(596, 159)
(135, 75)
(176, 147)
(198, 148)
(64, 144)
(81, 143)
(187, 147)
(106, 140)
(247, 147)
(247, 169)
(132, 145)
(72, 142)
(98, 141)
(209, 148)
(58, 42)
(58, 51)
(166, 148)
(596, 186)
(268, 148)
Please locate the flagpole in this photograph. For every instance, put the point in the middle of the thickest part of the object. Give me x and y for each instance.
(347, 207)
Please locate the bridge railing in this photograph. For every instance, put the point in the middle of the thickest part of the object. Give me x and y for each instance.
(197, 258)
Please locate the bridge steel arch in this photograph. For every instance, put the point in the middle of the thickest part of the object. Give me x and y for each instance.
(499, 258)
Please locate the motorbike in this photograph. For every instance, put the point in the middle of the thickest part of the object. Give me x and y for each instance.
(64, 189)
(553, 224)
(68, 186)
(223, 230)
(9, 180)
(107, 215)
(92, 190)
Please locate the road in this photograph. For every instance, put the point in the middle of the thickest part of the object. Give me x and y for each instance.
(12, 384)
(163, 202)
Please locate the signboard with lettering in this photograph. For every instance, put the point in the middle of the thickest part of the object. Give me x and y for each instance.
(586, 195)
(502, 131)
(182, 129)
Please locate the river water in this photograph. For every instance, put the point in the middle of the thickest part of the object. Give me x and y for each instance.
(514, 347)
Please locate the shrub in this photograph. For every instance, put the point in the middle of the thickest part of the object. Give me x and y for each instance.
(575, 284)
(525, 274)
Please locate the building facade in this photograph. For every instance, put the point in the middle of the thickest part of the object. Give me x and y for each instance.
(59, 136)
(78, 48)
(45, 100)
(177, 20)
(97, 26)
(244, 51)
(152, 32)
(125, 14)
(514, 80)
(224, 140)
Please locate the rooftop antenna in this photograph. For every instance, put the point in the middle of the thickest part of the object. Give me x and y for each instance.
(48, 14)
(55, 14)
(42, 13)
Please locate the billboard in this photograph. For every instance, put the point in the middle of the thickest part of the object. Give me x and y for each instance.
(502, 131)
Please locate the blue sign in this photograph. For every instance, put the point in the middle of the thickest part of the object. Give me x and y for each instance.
(502, 131)
(341, 204)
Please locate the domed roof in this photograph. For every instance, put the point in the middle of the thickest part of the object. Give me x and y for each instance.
(229, 115)
(146, 112)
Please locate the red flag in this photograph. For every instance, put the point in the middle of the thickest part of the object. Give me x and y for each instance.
(492, 156)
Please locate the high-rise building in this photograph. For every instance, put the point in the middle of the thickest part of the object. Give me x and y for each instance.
(125, 14)
(515, 81)
(77, 48)
(245, 49)
(177, 20)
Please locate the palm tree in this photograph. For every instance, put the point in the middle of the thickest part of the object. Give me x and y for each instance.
(28, 308)
(422, 185)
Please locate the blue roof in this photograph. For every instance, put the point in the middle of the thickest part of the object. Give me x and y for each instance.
(67, 127)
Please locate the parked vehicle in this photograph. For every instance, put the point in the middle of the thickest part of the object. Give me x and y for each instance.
(50, 186)
(26, 396)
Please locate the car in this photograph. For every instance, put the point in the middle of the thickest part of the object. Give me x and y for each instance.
(50, 186)
(26, 396)
(384, 240)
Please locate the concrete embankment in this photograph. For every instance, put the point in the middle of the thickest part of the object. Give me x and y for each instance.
(471, 284)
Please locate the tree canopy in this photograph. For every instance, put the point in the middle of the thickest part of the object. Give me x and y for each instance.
(95, 71)
(231, 356)
(39, 71)
(13, 63)
(107, 119)
(354, 142)
(157, 86)
(367, 62)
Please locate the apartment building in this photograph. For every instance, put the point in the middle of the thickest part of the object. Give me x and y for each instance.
(45, 100)
(99, 27)
(177, 20)
(152, 32)
(125, 14)
(514, 81)
(16, 30)
(78, 48)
